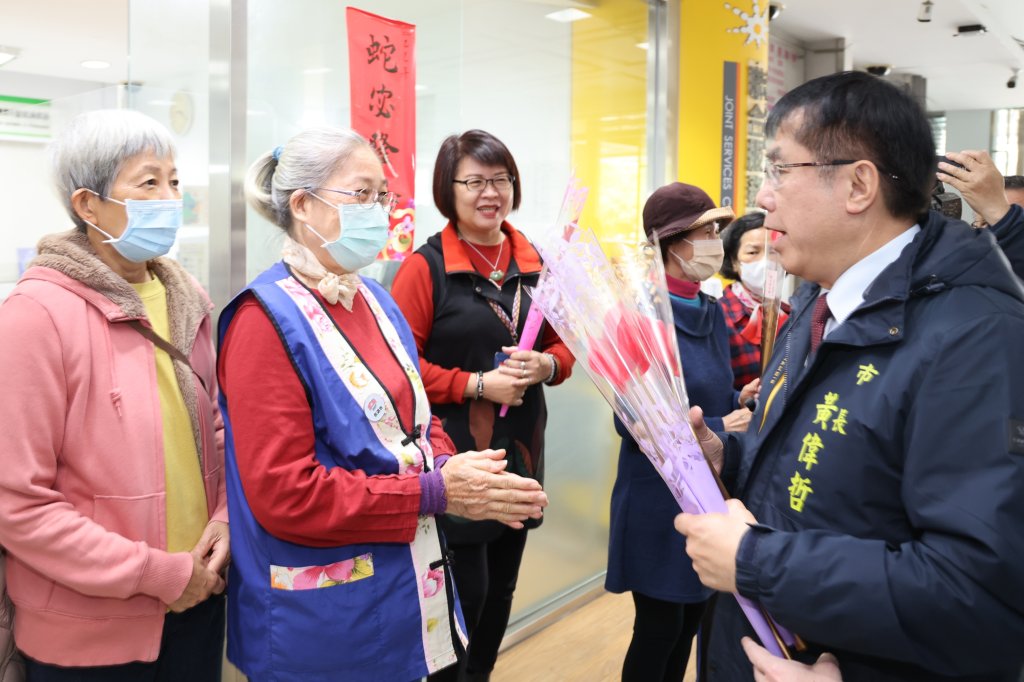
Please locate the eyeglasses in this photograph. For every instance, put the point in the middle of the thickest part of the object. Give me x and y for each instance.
(365, 197)
(773, 171)
(501, 183)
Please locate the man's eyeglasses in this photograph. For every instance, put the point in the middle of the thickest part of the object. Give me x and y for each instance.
(773, 171)
(501, 183)
(365, 197)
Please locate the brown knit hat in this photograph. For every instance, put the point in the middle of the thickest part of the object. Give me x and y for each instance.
(679, 208)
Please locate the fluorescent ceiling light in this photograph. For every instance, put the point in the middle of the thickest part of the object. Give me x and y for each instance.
(95, 64)
(567, 15)
(8, 54)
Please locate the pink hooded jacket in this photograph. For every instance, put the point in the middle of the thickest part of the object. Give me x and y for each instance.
(82, 510)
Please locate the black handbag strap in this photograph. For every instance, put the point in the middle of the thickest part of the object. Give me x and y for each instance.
(166, 346)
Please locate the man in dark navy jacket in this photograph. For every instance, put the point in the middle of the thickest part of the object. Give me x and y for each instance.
(885, 463)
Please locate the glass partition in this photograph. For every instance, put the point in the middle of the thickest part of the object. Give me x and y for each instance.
(503, 66)
(562, 95)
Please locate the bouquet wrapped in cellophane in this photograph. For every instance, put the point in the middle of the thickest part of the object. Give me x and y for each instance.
(613, 313)
(565, 225)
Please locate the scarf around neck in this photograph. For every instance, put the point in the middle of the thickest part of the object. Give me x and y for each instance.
(334, 288)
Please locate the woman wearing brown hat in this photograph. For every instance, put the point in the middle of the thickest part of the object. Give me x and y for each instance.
(645, 555)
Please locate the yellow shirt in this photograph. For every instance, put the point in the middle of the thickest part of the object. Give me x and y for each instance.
(186, 497)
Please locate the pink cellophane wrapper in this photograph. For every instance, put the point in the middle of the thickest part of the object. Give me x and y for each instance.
(613, 313)
(565, 226)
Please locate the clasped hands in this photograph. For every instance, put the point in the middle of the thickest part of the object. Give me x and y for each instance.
(210, 558)
(478, 488)
(507, 383)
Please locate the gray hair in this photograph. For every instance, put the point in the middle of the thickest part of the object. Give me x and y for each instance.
(94, 147)
(306, 160)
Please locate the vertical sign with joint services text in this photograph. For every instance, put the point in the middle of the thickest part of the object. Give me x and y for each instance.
(382, 78)
(723, 54)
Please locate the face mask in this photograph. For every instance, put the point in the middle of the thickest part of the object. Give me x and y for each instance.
(707, 259)
(151, 230)
(752, 275)
(364, 232)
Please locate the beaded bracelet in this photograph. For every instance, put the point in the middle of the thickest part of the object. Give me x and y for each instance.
(479, 385)
(554, 368)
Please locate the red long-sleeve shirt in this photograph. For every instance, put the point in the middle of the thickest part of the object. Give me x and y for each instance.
(289, 492)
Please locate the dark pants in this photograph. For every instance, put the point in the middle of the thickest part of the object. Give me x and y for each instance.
(662, 635)
(191, 648)
(485, 577)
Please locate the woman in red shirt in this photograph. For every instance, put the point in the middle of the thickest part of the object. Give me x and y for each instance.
(464, 294)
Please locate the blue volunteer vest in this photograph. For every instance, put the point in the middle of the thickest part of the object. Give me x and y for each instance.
(369, 611)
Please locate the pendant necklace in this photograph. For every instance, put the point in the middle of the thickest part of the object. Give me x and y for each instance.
(496, 273)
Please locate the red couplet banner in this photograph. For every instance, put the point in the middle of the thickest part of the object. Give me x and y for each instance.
(382, 74)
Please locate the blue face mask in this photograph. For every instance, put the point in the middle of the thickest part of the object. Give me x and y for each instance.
(364, 232)
(151, 230)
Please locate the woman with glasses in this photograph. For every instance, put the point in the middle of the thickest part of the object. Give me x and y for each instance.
(745, 262)
(336, 466)
(464, 294)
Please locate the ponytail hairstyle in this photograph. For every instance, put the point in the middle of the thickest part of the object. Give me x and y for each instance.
(307, 160)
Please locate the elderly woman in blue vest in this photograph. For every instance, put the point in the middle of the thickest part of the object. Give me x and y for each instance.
(643, 557)
(336, 468)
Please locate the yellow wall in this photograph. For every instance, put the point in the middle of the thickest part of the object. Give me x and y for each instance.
(609, 107)
(711, 33)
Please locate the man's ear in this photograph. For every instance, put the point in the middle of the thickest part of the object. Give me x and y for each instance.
(82, 201)
(865, 187)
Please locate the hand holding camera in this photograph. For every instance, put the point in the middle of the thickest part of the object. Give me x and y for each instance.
(975, 176)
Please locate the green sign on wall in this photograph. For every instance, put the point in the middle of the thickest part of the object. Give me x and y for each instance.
(24, 118)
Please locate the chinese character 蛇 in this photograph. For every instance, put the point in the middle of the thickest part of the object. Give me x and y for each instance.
(384, 52)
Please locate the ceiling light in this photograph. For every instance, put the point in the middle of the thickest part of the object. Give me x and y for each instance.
(775, 9)
(95, 64)
(643, 46)
(8, 54)
(924, 15)
(970, 30)
(567, 15)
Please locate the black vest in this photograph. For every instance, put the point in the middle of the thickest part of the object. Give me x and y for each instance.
(466, 333)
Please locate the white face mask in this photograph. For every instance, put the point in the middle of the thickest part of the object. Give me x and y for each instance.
(706, 261)
(752, 275)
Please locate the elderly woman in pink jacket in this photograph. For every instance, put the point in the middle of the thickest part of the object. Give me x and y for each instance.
(112, 502)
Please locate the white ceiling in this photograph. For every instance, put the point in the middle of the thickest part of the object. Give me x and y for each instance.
(55, 36)
(961, 73)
